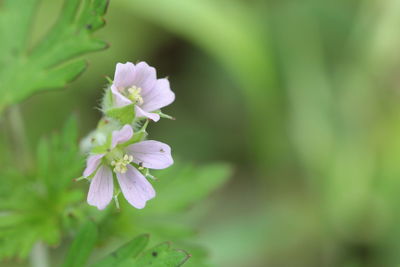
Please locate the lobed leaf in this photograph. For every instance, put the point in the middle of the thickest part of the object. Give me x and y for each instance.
(37, 203)
(129, 250)
(129, 255)
(162, 255)
(53, 61)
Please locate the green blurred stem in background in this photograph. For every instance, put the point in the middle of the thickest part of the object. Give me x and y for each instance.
(19, 137)
(39, 255)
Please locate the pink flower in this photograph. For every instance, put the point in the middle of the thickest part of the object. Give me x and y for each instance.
(138, 84)
(119, 159)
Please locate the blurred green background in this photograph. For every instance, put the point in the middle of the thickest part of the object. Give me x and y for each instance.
(300, 97)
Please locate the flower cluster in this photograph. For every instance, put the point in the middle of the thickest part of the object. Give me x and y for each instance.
(117, 148)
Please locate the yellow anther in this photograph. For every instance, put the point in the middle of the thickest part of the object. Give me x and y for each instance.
(122, 163)
(134, 95)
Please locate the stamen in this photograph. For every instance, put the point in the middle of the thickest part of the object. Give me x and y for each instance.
(134, 95)
(120, 164)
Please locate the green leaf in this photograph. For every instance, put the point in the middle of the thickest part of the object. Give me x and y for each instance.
(48, 186)
(129, 255)
(124, 114)
(183, 185)
(104, 147)
(162, 255)
(137, 136)
(199, 256)
(108, 101)
(52, 62)
(129, 250)
(165, 217)
(82, 246)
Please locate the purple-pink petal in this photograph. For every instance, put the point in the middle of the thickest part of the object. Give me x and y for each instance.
(151, 154)
(136, 189)
(158, 97)
(121, 136)
(119, 99)
(124, 75)
(101, 188)
(140, 113)
(145, 76)
(92, 163)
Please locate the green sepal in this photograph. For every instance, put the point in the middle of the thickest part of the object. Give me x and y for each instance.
(109, 80)
(124, 114)
(107, 101)
(81, 178)
(137, 137)
(165, 116)
(103, 148)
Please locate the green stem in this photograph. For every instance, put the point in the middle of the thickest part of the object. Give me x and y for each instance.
(39, 255)
(19, 138)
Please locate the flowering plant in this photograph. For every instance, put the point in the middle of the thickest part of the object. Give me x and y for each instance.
(120, 152)
(41, 209)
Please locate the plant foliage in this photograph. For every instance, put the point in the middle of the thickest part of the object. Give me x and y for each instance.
(38, 203)
(52, 62)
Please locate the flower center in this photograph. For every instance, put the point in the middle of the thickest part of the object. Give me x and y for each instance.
(121, 163)
(133, 93)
